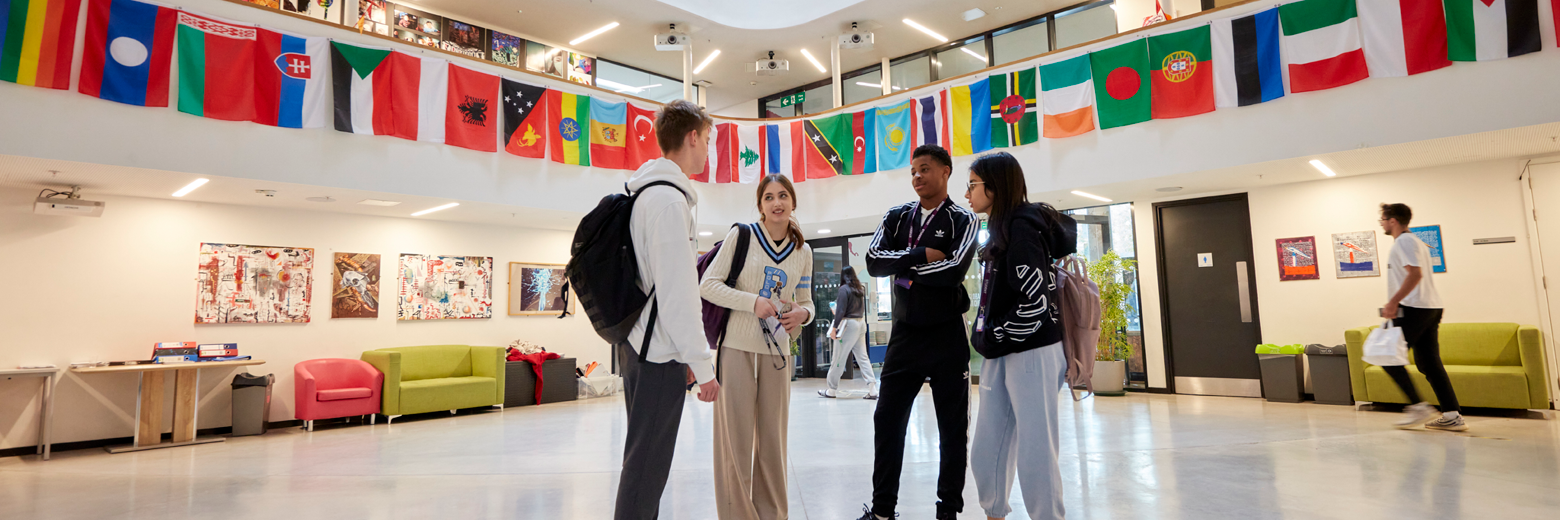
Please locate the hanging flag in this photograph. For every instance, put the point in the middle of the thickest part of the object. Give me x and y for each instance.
(608, 135)
(931, 120)
(750, 163)
(1067, 96)
(1125, 99)
(863, 129)
(826, 147)
(127, 52)
(292, 78)
(642, 144)
(778, 149)
(216, 68)
(1322, 44)
(383, 92)
(895, 129)
(525, 119)
(569, 118)
(1013, 109)
(721, 167)
(1480, 30)
(1250, 67)
(1554, 10)
(969, 118)
(1403, 37)
(1183, 73)
(38, 41)
(469, 121)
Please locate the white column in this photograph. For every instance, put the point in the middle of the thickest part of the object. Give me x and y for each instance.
(688, 71)
(888, 80)
(834, 66)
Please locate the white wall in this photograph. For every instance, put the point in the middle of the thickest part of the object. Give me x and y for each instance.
(84, 289)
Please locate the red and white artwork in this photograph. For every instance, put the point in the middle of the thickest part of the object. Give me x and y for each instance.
(253, 284)
(445, 287)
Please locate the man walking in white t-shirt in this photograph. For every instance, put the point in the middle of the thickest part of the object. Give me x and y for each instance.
(1414, 306)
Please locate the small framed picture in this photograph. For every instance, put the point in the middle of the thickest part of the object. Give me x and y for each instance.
(537, 290)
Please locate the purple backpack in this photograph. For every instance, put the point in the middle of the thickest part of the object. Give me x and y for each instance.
(715, 316)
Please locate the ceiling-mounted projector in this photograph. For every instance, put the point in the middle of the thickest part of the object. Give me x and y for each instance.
(68, 207)
(856, 38)
(671, 40)
(771, 67)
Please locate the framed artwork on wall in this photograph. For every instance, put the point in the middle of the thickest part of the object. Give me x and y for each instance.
(445, 287)
(1431, 236)
(1297, 259)
(464, 38)
(537, 289)
(355, 286)
(1355, 253)
(238, 283)
(506, 49)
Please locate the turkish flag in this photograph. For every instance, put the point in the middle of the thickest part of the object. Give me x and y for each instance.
(642, 146)
(471, 113)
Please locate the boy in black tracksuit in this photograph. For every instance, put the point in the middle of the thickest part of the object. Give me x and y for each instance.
(927, 246)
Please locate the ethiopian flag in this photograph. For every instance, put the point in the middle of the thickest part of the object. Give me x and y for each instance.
(37, 41)
(216, 68)
(1125, 99)
(1182, 73)
(570, 132)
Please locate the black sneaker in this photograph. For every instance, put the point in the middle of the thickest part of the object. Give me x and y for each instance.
(866, 513)
(946, 515)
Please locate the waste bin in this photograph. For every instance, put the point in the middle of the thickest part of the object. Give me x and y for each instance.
(1330, 374)
(251, 403)
(1282, 378)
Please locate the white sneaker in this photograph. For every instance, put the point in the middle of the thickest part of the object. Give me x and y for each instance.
(1448, 424)
(1415, 415)
(826, 393)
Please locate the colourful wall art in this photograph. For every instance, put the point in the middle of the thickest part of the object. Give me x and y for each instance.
(1297, 259)
(445, 287)
(237, 283)
(355, 286)
(537, 289)
(1355, 253)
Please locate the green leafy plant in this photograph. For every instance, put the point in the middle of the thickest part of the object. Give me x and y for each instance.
(1109, 274)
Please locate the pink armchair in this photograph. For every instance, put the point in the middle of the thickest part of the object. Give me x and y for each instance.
(333, 388)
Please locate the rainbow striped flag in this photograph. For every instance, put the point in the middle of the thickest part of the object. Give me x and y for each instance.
(37, 41)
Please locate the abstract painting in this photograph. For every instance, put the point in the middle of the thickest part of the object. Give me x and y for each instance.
(1355, 253)
(1431, 236)
(445, 287)
(1297, 259)
(537, 289)
(253, 284)
(508, 50)
(355, 286)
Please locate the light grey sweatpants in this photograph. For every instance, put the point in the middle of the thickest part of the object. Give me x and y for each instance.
(853, 340)
(1016, 432)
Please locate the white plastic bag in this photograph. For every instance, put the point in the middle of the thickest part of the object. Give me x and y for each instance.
(599, 386)
(1385, 347)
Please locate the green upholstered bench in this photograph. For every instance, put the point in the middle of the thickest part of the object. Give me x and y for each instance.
(1491, 365)
(439, 377)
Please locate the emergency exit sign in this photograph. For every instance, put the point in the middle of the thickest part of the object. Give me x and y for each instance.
(793, 99)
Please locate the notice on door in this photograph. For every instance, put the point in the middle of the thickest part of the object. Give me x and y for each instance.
(1204, 259)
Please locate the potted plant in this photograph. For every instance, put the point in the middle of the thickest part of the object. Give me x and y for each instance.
(1113, 350)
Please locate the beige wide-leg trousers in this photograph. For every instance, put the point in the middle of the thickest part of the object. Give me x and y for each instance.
(751, 418)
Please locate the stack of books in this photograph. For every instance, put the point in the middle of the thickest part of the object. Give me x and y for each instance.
(170, 352)
(220, 352)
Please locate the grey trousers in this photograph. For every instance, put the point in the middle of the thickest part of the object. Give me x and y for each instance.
(654, 394)
(1016, 432)
(853, 341)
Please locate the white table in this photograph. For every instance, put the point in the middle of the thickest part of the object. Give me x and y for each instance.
(149, 401)
(46, 408)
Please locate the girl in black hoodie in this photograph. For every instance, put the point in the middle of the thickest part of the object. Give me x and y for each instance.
(1019, 331)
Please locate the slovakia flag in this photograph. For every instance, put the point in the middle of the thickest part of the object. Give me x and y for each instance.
(292, 76)
(129, 46)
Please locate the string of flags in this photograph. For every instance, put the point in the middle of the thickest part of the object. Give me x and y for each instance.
(236, 71)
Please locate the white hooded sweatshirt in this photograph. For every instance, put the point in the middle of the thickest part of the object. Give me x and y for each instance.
(664, 233)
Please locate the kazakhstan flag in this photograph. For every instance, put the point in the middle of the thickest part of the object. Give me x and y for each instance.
(894, 132)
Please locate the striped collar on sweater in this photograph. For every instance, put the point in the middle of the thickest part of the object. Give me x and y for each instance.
(769, 246)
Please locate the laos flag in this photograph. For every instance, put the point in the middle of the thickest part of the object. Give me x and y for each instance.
(292, 79)
(128, 48)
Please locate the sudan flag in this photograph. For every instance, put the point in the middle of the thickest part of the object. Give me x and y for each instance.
(827, 147)
(37, 39)
(569, 118)
(1183, 73)
(1124, 69)
(217, 68)
(1013, 106)
(525, 119)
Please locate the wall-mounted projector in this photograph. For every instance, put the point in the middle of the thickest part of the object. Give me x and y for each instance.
(771, 67)
(671, 40)
(68, 207)
(856, 40)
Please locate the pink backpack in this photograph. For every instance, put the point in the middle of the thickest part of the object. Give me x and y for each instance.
(1080, 302)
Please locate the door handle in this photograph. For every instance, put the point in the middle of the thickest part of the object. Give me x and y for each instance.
(1243, 286)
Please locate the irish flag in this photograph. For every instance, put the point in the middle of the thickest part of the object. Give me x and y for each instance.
(1067, 97)
(216, 68)
(969, 118)
(37, 39)
(1321, 44)
(569, 115)
(1479, 30)
(1403, 37)
(384, 92)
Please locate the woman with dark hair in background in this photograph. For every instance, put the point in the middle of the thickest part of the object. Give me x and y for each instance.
(1019, 331)
(850, 334)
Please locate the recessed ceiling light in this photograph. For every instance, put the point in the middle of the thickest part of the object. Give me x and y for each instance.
(1091, 196)
(377, 202)
(974, 14)
(435, 208)
(321, 199)
(594, 33)
(705, 233)
(814, 61)
(972, 53)
(1168, 189)
(1323, 168)
(706, 62)
(928, 32)
(825, 231)
(190, 187)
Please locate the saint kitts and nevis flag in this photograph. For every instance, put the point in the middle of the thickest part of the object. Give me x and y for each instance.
(1479, 30)
(127, 52)
(969, 118)
(1403, 37)
(568, 118)
(836, 145)
(1067, 97)
(1013, 107)
(1182, 71)
(37, 41)
(1125, 99)
(239, 72)
(1322, 44)
(1250, 67)
(525, 119)
(383, 92)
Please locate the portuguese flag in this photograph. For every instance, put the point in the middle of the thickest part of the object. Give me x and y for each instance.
(37, 41)
(1125, 99)
(570, 132)
(1183, 73)
(216, 68)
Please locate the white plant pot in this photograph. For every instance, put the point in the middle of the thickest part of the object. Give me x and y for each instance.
(1110, 378)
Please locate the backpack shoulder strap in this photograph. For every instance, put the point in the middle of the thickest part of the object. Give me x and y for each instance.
(635, 194)
(739, 255)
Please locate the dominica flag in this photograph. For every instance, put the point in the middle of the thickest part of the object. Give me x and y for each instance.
(525, 119)
(1479, 30)
(569, 118)
(383, 92)
(1251, 66)
(642, 143)
(1403, 37)
(292, 80)
(894, 132)
(1125, 98)
(1322, 44)
(1013, 107)
(37, 41)
(217, 67)
(931, 120)
(127, 52)
(969, 118)
(1182, 73)
(1067, 97)
(780, 147)
(609, 135)
(750, 155)
(827, 147)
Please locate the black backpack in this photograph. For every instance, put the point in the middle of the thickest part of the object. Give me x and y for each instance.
(604, 272)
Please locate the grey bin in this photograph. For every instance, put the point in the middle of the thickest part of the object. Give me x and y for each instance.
(1282, 378)
(251, 403)
(1330, 374)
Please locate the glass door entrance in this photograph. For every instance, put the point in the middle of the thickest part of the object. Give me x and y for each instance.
(816, 348)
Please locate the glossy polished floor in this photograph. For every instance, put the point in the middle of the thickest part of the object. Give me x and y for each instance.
(1136, 457)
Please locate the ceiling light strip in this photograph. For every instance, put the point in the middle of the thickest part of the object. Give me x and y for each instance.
(814, 61)
(928, 32)
(1323, 168)
(190, 187)
(594, 33)
(435, 208)
(1091, 196)
(706, 62)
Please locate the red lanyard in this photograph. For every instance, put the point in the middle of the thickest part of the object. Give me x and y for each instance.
(927, 223)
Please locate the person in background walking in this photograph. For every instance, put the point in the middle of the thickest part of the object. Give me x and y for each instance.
(850, 334)
(1414, 306)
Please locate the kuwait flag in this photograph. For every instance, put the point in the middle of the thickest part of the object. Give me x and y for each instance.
(569, 117)
(128, 52)
(826, 148)
(1403, 37)
(469, 123)
(292, 78)
(383, 92)
(895, 127)
(931, 120)
(1479, 30)
(1067, 97)
(1125, 99)
(969, 118)
(609, 135)
(1013, 109)
(525, 119)
(1183, 73)
(37, 41)
(1251, 69)
(217, 68)
(642, 144)
(780, 148)
(750, 163)
(1322, 44)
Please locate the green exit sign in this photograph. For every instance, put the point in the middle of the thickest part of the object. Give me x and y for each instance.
(793, 99)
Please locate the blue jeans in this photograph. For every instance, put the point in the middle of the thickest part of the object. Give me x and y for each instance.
(1016, 432)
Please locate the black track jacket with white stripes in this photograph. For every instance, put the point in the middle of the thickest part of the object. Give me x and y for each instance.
(936, 294)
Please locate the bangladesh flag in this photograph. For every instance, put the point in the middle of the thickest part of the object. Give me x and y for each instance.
(1013, 107)
(1125, 99)
(216, 68)
(1183, 73)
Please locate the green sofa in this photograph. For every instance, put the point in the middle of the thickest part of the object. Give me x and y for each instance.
(438, 377)
(1491, 365)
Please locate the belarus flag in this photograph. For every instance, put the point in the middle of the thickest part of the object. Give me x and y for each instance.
(217, 68)
(1321, 44)
(1482, 30)
(383, 92)
(1403, 37)
(128, 49)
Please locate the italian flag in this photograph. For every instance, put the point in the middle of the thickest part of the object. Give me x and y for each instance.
(1067, 97)
(384, 92)
(216, 68)
(1403, 37)
(1321, 44)
(1479, 30)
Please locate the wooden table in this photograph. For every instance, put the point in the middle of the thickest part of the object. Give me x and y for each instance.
(149, 405)
(45, 408)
